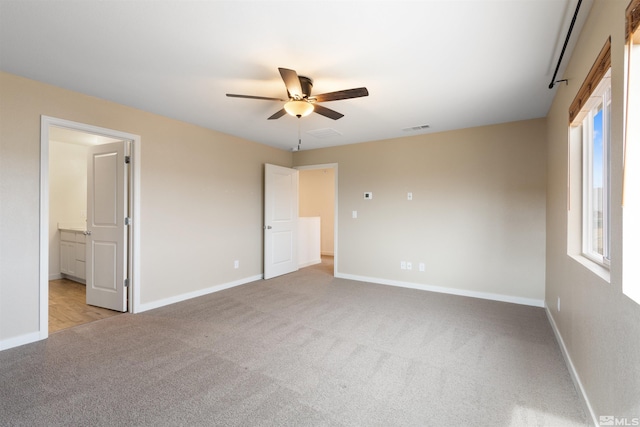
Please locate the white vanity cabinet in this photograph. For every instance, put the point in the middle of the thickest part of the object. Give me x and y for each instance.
(72, 254)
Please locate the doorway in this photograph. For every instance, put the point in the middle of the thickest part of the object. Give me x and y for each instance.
(319, 198)
(65, 147)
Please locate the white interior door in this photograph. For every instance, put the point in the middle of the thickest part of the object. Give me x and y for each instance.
(106, 245)
(280, 221)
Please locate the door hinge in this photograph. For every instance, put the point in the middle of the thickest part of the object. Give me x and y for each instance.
(127, 220)
(126, 282)
(127, 159)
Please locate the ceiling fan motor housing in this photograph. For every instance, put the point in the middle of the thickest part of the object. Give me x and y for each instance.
(300, 102)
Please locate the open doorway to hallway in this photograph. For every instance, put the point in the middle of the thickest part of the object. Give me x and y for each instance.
(318, 198)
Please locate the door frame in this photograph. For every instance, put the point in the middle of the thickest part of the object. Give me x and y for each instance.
(333, 166)
(134, 199)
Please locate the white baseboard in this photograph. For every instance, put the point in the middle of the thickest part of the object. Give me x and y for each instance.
(572, 369)
(326, 253)
(37, 336)
(453, 291)
(183, 297)
(21, 340)
(65, 276)
(308, 263)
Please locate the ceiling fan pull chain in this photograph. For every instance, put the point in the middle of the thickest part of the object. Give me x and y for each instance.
(299, 137)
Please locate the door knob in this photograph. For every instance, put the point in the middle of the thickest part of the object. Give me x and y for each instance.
(268, 227)
(87, 233)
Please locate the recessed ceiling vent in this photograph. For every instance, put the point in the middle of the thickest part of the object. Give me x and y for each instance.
(416, 128)
(324, 133)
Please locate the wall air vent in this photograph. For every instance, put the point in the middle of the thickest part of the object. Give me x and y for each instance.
(324, 133)
(416, 128)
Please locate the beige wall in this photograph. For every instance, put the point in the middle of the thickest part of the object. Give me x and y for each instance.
(67, 194)
(201, 199)
(317, 198)
(598, 324)
(477, 218)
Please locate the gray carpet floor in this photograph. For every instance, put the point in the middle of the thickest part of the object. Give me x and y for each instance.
(304, 349)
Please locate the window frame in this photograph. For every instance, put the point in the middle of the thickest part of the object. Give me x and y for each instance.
(589, 95)
(599, 100)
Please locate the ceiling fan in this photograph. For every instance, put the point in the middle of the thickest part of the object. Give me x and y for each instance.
(300, 102)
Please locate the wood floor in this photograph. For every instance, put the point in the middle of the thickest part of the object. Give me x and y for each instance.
(67, 306)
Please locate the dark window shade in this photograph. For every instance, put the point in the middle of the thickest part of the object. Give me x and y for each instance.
(598, 70)
(633, 21)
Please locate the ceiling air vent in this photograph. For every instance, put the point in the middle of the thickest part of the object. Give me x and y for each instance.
(416, 128)
(324, 133)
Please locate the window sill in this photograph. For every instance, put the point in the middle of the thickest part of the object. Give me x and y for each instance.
(594, 267)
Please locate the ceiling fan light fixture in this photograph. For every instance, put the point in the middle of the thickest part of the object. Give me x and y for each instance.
(298, 108)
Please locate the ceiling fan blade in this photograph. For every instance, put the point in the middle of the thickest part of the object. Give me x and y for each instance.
(327, 112)
(277, 114)
(292, 82)
(233, 95)
(342, 94)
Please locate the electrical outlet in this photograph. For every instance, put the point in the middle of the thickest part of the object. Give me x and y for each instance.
(354, 214)
(421, 266)
(403, 265)
(236, 264)
(409, 266)
(409, 196)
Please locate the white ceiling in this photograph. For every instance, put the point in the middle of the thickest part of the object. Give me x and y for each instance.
(450, 64)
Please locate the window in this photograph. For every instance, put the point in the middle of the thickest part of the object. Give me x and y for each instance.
(596, 133)
(590, 116)
(631, 160)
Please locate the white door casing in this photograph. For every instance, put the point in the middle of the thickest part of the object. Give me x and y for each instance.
(280, 221)
(135, 286)
(107, 239)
